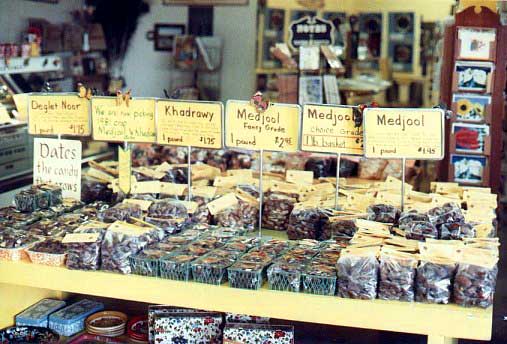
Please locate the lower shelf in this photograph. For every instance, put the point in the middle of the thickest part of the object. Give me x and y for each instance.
(433, 320)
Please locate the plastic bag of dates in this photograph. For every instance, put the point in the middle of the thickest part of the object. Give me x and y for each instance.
(357, 271)
(120, 212)
(397, 275)
(244, 214)
(83, 246)
(276, 212)
(383, 213)
(306, 222)
(338, 226)
(435, 272)
(475, 280)
(457, 231)
(121, 241)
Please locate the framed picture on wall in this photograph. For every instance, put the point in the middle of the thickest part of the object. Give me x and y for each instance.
(468, 169)
(471, 107)
(163, 35)
(476, 43)
(470, 138)
(473, 76)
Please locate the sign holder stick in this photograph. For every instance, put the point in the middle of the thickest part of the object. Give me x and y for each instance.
(338, 160)
(189, 169)
(403, 164)
(261, 192)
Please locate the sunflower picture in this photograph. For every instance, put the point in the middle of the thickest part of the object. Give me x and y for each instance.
(470, 107)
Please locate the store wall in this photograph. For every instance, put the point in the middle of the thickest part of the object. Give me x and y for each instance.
(147, 72)
(14, 15)
(237, 26)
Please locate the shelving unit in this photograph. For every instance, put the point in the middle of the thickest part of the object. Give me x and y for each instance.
(24, 282)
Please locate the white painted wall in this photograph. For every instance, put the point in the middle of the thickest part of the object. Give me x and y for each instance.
(14, 15)
(147, 72)
(237, 25)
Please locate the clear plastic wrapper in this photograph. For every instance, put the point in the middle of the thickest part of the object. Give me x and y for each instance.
(475, 281)
(120, 212)
(46, 228)
(434, 280)
(93, 191)
(32, 199)
(244, 214)
(119, 244)
(306, 223)
(383, 213)
(168, 209)
(92, 210)
(449, 212)
(457, 231)
(338, 228)
(285, 276)
(420, 230)
(357, 271)
(86, 255)
(397, 276)
(276, 211)
(14, 243)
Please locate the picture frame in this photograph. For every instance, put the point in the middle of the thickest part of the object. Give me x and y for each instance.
(472, 108)
(469, 169)
(163, 35)
(475, 43)
(310, 89)
(473, 76)
(470, 138)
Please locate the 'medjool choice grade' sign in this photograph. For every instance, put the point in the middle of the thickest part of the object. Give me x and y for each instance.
(125, 122)
(330, 129)
(58, 114)
(187, 123)
(404, 133)
(275, 129)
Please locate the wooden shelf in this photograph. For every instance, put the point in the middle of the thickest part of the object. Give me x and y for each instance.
(439, 322)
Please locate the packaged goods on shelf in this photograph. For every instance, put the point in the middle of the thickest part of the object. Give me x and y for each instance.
(38, 314)
(435, 272)
(244, 318)
(70, 320)
(475, 280)
(186, 326)
(305, 222)
(120, 212)
(258, 333)
(397, 275)
(48, 252)
(14, 243)
(83, 253)
(383, 213)
(276, 211)
(121, 241)
(358, 273)
(38, 197)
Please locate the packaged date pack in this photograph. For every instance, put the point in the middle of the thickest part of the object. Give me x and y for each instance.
(306, 222)
(276, 211)
(397, 275)
(83, 246)
(357, 270)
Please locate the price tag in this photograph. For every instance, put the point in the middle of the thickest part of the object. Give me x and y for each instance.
(276, 129)
(145, 205)
(64, 114)
(330, 129)
(80, 237)
(173, 189)
(132, 123)
(187, 123)
(299, 177)
(224, 202)
(21, 101)
(124, 169)
(404, 133)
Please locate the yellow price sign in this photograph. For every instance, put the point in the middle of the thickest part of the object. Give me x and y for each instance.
(404, 133)
(124, 169)
(189, 123)
(276, 129)
(330, 129)
(58, 114)
(132, 122)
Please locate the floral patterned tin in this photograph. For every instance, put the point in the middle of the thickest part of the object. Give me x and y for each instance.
(191, 327)
(244, 318)
(38, 314)
(258, 334)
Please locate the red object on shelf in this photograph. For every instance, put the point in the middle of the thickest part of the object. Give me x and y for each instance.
(137, 329)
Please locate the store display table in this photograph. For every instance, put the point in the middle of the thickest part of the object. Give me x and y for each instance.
(23, 283)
